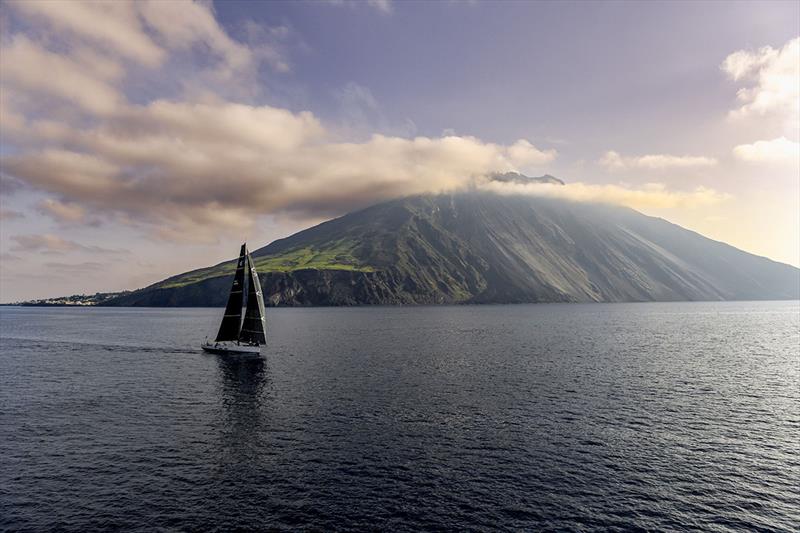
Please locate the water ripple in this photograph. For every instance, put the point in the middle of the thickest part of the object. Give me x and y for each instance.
(554, 417)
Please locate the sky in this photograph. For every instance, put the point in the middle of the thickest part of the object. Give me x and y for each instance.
(139, 140)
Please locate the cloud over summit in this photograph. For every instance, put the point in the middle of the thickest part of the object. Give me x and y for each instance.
(650, 195)
(192, 159)
(191, 167)
(167, 162)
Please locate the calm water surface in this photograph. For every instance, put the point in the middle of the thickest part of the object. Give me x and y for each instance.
(584, 417)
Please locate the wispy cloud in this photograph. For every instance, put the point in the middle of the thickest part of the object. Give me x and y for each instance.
(614, 161)
(79, 268)
(774, 75)
(7, 257)
(53, 244)
(10, 214)
(385, 7)
(8, 185)
(776, 151)
(523, 154)
(62, 212)
(71, 79)
(649, 196)
(91, 47)
(772, 101)
(144, 31)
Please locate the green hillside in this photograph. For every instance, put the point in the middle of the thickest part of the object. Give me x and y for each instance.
(336, 255)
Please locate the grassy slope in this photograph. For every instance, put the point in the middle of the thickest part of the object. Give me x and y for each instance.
(336, 255)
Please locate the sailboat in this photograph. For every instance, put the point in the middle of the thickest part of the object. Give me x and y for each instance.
(237, 336)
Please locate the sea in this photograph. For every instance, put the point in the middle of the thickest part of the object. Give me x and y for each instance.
(551, 417)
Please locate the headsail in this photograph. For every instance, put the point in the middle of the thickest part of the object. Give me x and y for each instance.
(232, 321)
(254, 324)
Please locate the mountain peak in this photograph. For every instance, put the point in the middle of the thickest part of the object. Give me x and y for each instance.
(516, 177)
(481, 247)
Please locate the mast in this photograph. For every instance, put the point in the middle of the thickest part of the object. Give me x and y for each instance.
(254, 324)
(232, 320)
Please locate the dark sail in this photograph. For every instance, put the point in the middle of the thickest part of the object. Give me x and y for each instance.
(254, 323)
(232, 321)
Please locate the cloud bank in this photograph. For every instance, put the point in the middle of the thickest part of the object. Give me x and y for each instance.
(192, 160)
(190, 167)
(186, 165)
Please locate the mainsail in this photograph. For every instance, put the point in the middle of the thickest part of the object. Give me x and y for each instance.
(232, 320)
(254, 321)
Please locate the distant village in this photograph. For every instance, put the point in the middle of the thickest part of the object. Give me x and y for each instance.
(74, 300)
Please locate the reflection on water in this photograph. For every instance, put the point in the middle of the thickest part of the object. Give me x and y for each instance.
(242, 383)
(241, 428)
(243, 377)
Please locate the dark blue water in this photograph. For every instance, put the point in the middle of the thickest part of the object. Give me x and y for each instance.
(591, 417)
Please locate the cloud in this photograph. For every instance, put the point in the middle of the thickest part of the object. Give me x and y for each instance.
(6, 257)
(775, 78)
(358, 105)
(53, 244)
(143, 31)
(195, 168)
(197, 26)
(23, 63)
(614, 161)
(75, 268)
(8, 185)
(88, 48)
(202, 168)
(385, 7)
(776, 151)
(47, 243)
(62, 171)
(10, 214)
(267, 43)
(360, 114)
(63, 212)
(651, 195)
(113, 25)
(523, 154)
(355, 95)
